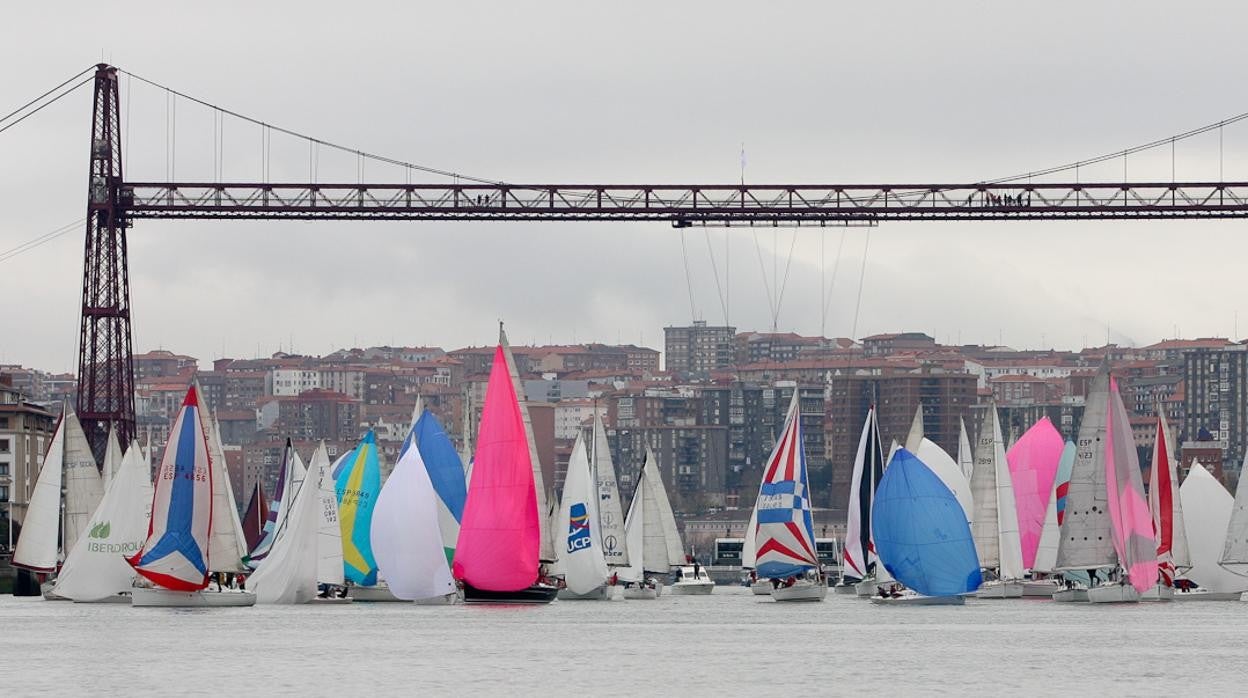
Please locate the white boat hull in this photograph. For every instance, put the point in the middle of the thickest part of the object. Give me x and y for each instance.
(1043, 588)
(1159, 592)
(802, 591)
(1113, 593)
(602, 593)
(641, 593)
(918, 600)
(843, 589)
(1000, 590)
(1071, 595)
(761, 588)
(330, 601)
(373, 594)
(701, 587)
(167, 598)
(1206, 595)
(123, 597)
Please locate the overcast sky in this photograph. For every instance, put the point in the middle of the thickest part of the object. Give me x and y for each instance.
(624, 93)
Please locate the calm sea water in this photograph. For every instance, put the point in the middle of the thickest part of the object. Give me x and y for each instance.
(730, 643)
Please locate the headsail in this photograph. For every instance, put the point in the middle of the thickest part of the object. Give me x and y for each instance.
(96, 569)
(966, 455)
(257, 513)
(329, 568)
(1033, 461)
(921, 531)
(660, 507)
(785, 543)
(288, 575)
(84, 488)
(37, 544)
(277, 511)
(1166, 506)
(1208, 508)
(175, 554)
(580, 539)
(356, 487)
(1134, 538)
(227, 546)
(112, 456)
(406, 537)
(858, 555)
(500, 538)
(915, 436)
(1235, 549)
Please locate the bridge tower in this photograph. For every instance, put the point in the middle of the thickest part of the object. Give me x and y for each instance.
(105, 356)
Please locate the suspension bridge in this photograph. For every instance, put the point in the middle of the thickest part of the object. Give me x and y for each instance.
(105, 365)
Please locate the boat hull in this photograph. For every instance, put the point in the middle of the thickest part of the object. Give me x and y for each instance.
(1203, 595)
(843, 589)
(1043, 588)
(1159, 592)
(374, 594)
(917, 600)
(1000, 590)
(867, 587)
(701, 587)
(167, 598)
(1071, 595)
(641, 593)
(761, 588)
(536, 594)
(123, 597)
(444, 600)
(602, 593)
(330, 601)
(1113, 593)
(802, 591)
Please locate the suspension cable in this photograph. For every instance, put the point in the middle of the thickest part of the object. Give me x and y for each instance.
(43, 106)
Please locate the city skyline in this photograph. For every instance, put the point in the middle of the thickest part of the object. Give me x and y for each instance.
(994, 102)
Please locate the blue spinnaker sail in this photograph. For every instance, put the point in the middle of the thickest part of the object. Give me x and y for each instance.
(920, 530)
(441, 460)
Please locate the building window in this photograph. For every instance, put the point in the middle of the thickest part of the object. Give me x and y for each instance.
(4, 445)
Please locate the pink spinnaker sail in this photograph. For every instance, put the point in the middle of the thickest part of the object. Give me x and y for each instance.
(1033, 468)
(499, 537)
(1133, 535)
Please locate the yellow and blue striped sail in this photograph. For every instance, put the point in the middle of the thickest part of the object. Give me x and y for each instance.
(357, 483)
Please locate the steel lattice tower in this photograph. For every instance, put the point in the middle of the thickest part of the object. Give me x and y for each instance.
(105, 356)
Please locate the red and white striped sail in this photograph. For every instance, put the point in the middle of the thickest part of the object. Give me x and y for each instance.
(1167, 507)
(785, 539)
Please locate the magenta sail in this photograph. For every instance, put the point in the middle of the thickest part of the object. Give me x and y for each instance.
(1133, 535)
(499, 537)
(1033, 467)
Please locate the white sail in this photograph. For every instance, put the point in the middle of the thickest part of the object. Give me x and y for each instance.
(994, 524)
(1046, 550)
(548, 551)
(226, 545)
(406, 539)
(634, 536)
(112, 457)
(915, 437)
(966, 455)
(663, 509)
(329, 531)
(288, 573)
(1208, 508)
(577, 530)
(84, 488)
(36, 546)
(1235, 549)
(748, 554)
(96, 568)
(610, 509)
(939, 462)
(1086, 538)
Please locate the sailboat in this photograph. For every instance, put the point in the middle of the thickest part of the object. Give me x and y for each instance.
(329, 565)
(1234, 556)
(922, 536)
(654, 545)
(994, 524)
(499, 552)
(444, 470)
(357, 483)
(406, 535)
(95, 570)
(858, 559)
(608, 502)
(1208, 511)
(255, 516)
(282, 498)
(785, 538)
(68, 468)
(288, 573)
(175, 560)
(1166, 507)
(579, 533)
